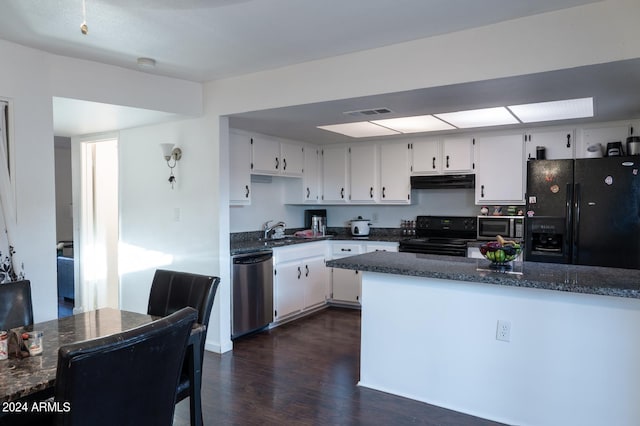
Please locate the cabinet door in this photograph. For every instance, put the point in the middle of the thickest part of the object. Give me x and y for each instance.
(500, 170)
(346, 285)
(289, 294)
(363, 169)
(311, 175)
(265, 155)
(457, 155)
(558, 144)
(426, 157)
(316, 281)
(394, 173)
(240, 169)
(292, 159)
(334, 174)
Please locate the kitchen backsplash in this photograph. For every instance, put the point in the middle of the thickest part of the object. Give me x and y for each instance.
(267, 204)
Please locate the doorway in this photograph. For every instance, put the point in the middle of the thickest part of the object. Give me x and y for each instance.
(97, 234)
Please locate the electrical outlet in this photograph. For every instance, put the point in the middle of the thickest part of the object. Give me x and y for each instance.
(503, 331)
(374, 217)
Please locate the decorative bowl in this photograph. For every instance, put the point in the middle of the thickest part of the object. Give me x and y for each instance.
(500, 254)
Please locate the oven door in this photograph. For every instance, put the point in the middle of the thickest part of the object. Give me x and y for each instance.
(491, 226)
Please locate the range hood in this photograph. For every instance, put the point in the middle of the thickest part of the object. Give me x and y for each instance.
(443, 181)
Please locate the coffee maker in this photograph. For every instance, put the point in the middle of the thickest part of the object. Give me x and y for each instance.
(316, 220)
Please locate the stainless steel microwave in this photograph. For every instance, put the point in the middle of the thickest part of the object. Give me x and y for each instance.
(509, 227)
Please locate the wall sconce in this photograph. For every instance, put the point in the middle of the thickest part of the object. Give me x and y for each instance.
(172, 155)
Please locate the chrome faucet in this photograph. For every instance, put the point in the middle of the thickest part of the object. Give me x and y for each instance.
(268, 228)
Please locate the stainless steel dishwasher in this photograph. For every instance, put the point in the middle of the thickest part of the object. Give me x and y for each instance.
(252, 292)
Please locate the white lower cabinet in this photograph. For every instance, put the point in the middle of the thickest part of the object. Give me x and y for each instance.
(345, 283)
(301, 279)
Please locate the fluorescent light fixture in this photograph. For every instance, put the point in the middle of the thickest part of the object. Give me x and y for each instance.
(554, 110)
(361, 129)
(497, 116)
(415, 124)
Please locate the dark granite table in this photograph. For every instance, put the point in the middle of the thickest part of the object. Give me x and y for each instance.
(548, 276)
(29, 376)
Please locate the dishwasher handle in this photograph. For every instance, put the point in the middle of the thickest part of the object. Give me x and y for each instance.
(251, 258)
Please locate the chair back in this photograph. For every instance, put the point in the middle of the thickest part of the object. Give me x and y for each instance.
(126, 378)
(172, 290)
(16, 309)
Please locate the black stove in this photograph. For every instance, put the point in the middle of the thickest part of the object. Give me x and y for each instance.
(445, 235)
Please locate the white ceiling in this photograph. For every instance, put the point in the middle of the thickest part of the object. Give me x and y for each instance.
(204, 40)
(201, 40)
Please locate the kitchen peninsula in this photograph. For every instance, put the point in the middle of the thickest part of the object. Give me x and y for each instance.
(429, 332)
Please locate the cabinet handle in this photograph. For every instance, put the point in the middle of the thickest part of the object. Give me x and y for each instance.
(306, 270)
(277, 163)
(568, 140)
(345, 249)
(299, 272)
(341, 192)
(284, 164)
(433, 163)
(246, 194)
(383, 192)
(481, 191)
(308, 192)
(447, 161)
(371, 192)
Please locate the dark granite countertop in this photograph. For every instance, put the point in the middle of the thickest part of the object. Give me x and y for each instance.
(548, 276)
(250, 242)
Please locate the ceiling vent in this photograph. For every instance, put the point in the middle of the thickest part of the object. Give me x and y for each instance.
(368, 112)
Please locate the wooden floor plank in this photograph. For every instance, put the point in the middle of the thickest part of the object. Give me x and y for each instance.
(305, 373)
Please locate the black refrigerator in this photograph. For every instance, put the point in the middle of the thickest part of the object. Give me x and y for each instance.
(584, 211)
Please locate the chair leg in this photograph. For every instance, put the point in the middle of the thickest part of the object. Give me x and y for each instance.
(195, 380)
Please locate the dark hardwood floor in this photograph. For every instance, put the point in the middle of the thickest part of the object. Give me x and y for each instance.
(304, 373)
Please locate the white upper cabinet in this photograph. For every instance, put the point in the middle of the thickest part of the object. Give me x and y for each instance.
(500, 171)
(395, 185)
(271, 156)
(292, 156)
(457, 155)
(363, 161)
(239, 169)
(334, 174)
(426, 157)
(557, 144)
(311, 175)
(265, 155)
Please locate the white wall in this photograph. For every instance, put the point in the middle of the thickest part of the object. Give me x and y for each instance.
(30, 78)
(572, 358)
(162, 227)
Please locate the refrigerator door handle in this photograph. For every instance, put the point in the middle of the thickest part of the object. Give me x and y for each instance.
(568, 224)
(576, 222)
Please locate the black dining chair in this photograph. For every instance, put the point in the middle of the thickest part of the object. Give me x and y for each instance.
(170, 291)
(16, 309)
(128, 378)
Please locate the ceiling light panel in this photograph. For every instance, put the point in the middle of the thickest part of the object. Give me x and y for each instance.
(555, 110)
(362, 129)
(498, 116)
(415, 124)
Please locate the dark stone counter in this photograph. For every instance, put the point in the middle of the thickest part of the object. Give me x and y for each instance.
(251, 242)
(548, 276)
